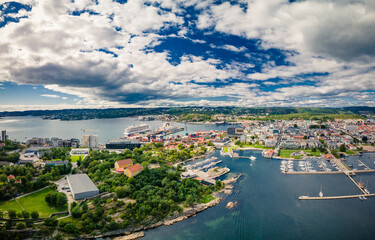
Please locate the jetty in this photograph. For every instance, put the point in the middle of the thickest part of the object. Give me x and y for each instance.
(335, 197)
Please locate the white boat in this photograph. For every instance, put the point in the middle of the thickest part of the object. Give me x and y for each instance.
(252, 158)
(321, 192)
(137, 129)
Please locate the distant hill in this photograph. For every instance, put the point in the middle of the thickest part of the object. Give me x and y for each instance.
(81, 114)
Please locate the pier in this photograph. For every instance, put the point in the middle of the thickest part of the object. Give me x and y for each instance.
(335, 197)
(367, 168)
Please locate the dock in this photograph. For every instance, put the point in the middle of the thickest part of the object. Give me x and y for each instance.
(367, 168)
(335, 197)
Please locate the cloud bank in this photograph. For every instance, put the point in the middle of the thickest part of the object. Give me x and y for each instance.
(244, 53)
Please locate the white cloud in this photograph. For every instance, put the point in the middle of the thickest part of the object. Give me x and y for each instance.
(50, 95)
(60, 51)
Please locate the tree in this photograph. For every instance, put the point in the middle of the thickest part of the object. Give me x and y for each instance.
(122, 191)
(12, 213)
(342, 148)
(34, 215)
(51, 222)
(3, 178)
(61, 200)
(70, 228)
(25, 214)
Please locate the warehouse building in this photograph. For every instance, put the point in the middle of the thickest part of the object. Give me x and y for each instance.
(81, 186)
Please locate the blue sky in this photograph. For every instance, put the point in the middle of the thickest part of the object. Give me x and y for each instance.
(98, 54)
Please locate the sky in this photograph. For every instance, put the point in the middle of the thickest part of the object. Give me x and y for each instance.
(255, 53)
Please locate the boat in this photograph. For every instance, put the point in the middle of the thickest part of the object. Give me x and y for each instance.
(168, 128)
(252, 158)
(321, 192)
(360, 184)
(143, 128)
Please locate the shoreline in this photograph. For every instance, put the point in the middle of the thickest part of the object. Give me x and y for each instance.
(138, 232)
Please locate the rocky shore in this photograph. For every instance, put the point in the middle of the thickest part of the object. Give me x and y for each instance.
(137, 232)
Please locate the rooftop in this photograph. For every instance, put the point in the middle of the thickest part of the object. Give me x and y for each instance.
(135, 167)
(81, 183)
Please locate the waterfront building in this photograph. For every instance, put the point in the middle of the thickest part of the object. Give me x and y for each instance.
(123, 143)
(81, 186)
(91, 141)
(133, 170)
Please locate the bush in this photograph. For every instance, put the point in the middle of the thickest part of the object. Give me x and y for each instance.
(21, 226)
(51, 222)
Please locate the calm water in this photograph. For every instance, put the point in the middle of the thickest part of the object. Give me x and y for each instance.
(27, 127)
(269, 207)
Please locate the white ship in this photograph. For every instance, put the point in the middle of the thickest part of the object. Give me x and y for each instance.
(137, 129)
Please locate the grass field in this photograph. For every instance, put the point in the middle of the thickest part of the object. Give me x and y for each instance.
(286, 152)
(256, 146)
(32, 202)
(208, 199)
(76, 157)
(311, 153)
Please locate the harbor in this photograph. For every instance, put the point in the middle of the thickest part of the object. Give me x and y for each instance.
(332, 165)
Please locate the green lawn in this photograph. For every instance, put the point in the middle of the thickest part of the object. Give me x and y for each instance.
(76, 157)
(7, 205)
(259, 146)
(286, 152)
(317, 153)
(208, 199)
(225, 149)
(32, 202)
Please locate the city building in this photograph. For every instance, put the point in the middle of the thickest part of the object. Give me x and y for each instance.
(133, 170)
(123, 143)
(91, 141)
(57, 163)
(125, 163)
(81, 186)
(79, 151)
(3, 135)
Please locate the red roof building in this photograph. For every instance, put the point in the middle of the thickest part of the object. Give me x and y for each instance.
(133, 170)
(125, 163)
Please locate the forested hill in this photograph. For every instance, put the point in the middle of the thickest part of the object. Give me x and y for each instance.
(81, 114)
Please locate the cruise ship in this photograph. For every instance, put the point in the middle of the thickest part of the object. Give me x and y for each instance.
(143, 128)
(168, 128)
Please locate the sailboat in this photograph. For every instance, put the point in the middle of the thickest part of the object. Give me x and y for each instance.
(321, 192)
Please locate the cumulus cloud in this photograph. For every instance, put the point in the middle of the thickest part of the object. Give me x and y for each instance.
(104, 53)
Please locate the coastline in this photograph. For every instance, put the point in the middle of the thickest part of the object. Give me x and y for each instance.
(138, 232)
